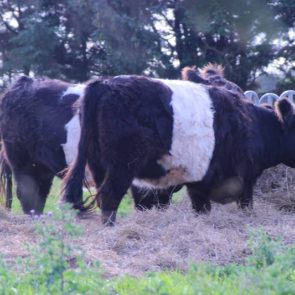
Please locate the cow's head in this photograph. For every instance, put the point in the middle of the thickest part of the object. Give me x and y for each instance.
(285, 111)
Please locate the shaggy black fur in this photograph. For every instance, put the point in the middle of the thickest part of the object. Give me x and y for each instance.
(131, 119)
(249, 139)
(212, 74)
(127, 126)
(32, 120)
(33, 114)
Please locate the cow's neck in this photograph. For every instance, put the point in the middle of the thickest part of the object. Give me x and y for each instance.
(272, 138)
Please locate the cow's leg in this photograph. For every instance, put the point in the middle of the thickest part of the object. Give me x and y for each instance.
(198, 193)
(33, 181)
(45, 183)
(143, 198)
(33, 185)
(115, 185)
(246, 199)
(148, 198)
(8, 192)
(7, 175)
(163, 197)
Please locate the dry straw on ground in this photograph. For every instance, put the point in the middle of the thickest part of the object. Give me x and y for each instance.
(172, 239)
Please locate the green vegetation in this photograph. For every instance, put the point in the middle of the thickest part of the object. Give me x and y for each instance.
(74, 40)
(57, 266)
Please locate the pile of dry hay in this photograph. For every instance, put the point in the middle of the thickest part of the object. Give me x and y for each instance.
(172, 239)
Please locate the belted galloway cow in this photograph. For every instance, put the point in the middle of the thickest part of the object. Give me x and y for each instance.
(159, 133)
(40, 131)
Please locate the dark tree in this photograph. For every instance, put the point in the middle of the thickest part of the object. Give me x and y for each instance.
(75, 40)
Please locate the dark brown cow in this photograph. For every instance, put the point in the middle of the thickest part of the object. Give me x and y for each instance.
(211, 74)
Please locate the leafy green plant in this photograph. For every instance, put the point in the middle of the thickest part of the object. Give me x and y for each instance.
(56, 265)
(6, 277)
(264, 248)
(55, 252)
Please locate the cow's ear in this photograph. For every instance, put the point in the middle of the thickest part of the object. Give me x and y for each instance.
(284, 110)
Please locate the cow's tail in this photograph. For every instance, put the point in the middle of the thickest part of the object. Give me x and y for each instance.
(73, 182)
(211, 69)
(5, 182)
(192, 75)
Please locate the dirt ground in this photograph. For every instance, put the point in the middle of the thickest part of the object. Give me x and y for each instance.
(172, 239)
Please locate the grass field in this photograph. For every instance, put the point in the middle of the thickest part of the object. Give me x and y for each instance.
(55, 266)
(155, 252)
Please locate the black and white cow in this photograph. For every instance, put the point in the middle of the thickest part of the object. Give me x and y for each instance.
(40, 132)
(160, 133)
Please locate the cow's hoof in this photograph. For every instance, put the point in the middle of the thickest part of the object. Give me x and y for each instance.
(202, 208)
(287, 208)
(108, 218)
(245, 205)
